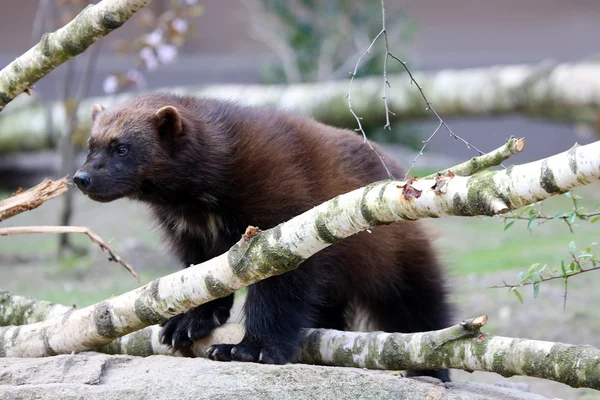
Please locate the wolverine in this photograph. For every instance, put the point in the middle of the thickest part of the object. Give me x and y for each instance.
(207, 169)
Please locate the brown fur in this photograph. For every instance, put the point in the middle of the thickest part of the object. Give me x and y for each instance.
(226, 167)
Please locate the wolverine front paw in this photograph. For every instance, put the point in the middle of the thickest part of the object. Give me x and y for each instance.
(182, 330)
(247, 353)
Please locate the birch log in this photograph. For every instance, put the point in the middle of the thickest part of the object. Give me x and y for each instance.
(19, 310)
(261, 254)
(568, 90)
(91, 24)
(462, 346)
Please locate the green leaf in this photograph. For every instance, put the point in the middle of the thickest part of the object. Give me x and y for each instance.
(533, 268)
(571, 267)
(572, 247)
(536, 289)
(572, 217)
(559, 215)
(531, 219)
(524, 210)
(508, 225)
(563, 269)
(513, 289)
(595, 219)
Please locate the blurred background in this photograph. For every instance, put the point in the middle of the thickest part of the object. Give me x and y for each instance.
(195, 43)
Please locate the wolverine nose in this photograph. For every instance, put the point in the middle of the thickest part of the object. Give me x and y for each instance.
(81, 179)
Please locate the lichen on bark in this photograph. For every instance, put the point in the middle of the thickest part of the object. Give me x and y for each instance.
(92, 23)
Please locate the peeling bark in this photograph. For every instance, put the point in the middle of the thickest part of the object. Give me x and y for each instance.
(93, 23)
(32, 198)
(570, 91)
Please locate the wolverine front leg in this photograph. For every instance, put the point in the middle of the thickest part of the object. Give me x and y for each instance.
(275, 310)
(182, 330)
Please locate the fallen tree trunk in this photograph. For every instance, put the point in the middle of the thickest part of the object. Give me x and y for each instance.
(261, 254)
(461, 346)
(570, 91)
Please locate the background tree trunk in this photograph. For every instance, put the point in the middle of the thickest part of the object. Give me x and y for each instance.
(564, 91)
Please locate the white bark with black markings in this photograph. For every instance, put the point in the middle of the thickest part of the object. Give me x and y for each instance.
(262, 254)
(93, 23)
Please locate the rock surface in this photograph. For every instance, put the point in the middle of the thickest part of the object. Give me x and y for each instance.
(93, 376)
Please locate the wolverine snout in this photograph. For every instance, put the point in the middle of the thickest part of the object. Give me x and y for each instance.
(81, 179)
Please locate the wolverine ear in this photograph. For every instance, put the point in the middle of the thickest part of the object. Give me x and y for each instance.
(96, 110)
(169, 121)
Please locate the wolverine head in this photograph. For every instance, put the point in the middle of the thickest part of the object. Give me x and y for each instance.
(124, 148)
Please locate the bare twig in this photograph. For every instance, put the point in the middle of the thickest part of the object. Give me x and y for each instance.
(386, 83)
(349, 96)
(32, 198)
(94, 237)
(386, 86)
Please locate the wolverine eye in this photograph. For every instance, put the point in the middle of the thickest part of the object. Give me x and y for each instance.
(122, 150)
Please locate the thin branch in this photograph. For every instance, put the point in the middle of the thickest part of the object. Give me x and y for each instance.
(386, 86)
(349, 96)
(94, 237)
(429, 104)
(495, 157)
(430, 108)
(386, 83)
(565, 296)
(32, 198)
(582, 216)
(565, 275)
(547, 279)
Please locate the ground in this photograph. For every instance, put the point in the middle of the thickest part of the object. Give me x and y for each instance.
(477, 251)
